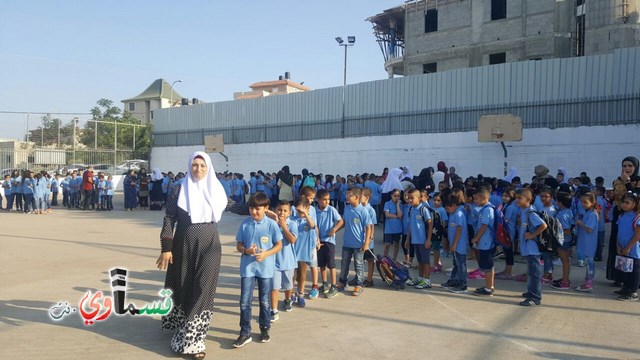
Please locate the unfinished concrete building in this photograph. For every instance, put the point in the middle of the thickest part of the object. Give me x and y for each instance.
(425, 36)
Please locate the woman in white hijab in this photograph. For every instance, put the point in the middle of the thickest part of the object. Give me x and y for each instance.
(513, 172)
(192, 255)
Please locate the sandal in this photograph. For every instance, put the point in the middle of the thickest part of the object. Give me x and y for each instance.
(199, 355)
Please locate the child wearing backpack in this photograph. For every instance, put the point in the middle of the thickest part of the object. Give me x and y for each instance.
(546, 205)
(436, 202)
(587, 226)
(409, 252)
(531, 226)
(419, 237)
(565, 216)
(393, 224)
(628, 243)
(458, 234)
(438, 231)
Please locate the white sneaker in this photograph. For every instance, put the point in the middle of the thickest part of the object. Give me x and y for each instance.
(580, 263)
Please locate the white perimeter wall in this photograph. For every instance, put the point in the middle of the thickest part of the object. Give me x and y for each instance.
(596, 150)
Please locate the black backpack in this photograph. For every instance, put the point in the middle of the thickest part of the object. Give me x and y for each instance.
(552, 237)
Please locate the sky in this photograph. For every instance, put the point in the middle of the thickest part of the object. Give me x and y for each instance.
(62, 56)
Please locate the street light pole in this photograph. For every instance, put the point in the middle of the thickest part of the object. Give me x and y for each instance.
(171, 92)
(351, 40)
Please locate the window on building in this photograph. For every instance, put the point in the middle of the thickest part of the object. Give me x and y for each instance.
(499, 58)
(431, 21)
(429, 68)
(132, 107)
(498, 9)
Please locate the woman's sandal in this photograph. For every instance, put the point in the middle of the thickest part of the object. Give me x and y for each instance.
(199, 356)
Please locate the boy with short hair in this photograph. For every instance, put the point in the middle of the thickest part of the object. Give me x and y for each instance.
(257, 239)
(419, 237)
(285, 260)
(356, 240)
(458, 235)
(531, 226)
(369, 256)
(485, 239)
(306, 248)
(329, 223)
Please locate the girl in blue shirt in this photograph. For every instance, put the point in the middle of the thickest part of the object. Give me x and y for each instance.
(629, 245)
(28, 184)
(587, 226)
(408, 253)
(393, 224)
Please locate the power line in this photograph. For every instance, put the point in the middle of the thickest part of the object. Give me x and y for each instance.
(41, 113)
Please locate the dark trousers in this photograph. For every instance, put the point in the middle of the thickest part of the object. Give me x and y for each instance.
(88, 195)
(612, 273)
(54, 198)
(631, 280)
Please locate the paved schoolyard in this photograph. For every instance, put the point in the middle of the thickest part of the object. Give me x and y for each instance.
(54, 258)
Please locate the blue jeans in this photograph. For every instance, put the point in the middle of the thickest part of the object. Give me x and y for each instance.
(534, 285)
(548, 262)
(358, 258)
(28, 202)
(590, 264)
(459, 271)
(246, 298)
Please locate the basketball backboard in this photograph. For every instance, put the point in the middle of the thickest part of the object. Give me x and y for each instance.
(213, 144)
(499, 128)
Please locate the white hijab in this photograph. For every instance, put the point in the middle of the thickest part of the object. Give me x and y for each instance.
(438, 177)
(513, 172)
(393, 181)
(156, 175)
(203, 200)
(408, 174)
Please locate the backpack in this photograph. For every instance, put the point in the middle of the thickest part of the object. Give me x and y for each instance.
(552, 237)
(436, 220)
(503, 237)
(309, 181)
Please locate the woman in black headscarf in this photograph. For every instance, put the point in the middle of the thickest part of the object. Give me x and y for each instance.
(425, 180)
(285, 183)
(627, 181)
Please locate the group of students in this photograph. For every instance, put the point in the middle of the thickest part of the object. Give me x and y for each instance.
(37, 193)
(460, 219)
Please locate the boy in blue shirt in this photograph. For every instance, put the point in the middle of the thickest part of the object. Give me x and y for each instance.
(531, 226)
(285, 260)
(458, 235)
(393, 224)
(369, 256)
(485, 239)
(306, 248)
(419, 237)
(109, 192)
(356, 240)
(565, 217)
(257, 239)
(55, 188)
(329, 223)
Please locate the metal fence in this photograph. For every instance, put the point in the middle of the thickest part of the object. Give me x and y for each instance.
(569, 92)
(61, 160)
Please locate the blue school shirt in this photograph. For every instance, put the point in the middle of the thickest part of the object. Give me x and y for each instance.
(537, 203)
(265, 234)
(355, 221)
(252, 185)
(55, 183)
(587, 242)
(305, 246)
(603, 206)
(565, 217)
(375, 192)
(165, 185)
(444, 217)
(495, 199)
(458, 219)
(15, 183)
(529, 222)
(374, 220)
(28, 186)
(109, 186)
(327, 219)
(64, 184)
(550, 210)
(343, 192)
(406, 209)
(511, 213)
(418, 216)
(72, 185)
(486, 216)
(238, 188)
(392, 226)
(626, 233)
(38, 188)
(7, 187)
(102, 187)
(20, 185)
(471, 210)
(260, 186)
(286, 258)
(47, 189)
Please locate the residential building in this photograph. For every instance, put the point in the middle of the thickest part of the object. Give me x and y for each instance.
(283, 86)
(159, 95)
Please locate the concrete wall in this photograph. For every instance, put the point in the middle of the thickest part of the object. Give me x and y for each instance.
(466, 35)
(597, 150)
(605, 29)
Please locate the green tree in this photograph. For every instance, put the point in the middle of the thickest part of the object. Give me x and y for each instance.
(52, 132)
(106, 137)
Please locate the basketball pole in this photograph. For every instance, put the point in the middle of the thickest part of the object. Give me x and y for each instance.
(504, 148)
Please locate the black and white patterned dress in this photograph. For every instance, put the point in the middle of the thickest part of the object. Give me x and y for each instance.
(192, 277)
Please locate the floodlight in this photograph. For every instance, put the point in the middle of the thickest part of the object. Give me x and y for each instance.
(339, 40)
(351, 39)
